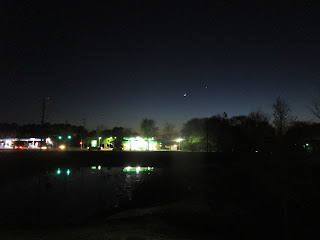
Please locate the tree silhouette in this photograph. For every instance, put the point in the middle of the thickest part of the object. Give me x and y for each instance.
(169, 133)
(148, 127)
(282, 116)
(194, 132)
(315, 107)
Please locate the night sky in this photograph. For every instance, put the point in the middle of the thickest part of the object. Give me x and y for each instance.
(116, 63)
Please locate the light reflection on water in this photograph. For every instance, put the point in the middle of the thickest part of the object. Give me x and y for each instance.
(69, 195)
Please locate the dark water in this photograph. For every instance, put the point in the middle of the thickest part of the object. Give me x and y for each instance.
(60, 196)
(268, 201)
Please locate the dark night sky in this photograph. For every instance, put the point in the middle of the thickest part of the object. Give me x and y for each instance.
(117, 63)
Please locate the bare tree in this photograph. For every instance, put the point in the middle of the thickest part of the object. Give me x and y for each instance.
(169, 130)
(282, 115)
(168, 133)
(315, 107)
(148, 127)
(259, 118)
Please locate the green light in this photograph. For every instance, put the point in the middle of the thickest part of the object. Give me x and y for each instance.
(138, 169)
(58, 171)
(69, 136)
(60, 137)
(68, 172)
(93, 167)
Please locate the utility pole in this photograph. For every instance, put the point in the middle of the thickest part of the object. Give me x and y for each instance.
(207, 136)
(82, 135)
(43, 110)
(42, 118)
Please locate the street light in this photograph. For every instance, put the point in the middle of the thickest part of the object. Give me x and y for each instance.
(179, 141)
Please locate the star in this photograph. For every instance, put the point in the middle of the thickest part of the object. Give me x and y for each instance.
(185, 95)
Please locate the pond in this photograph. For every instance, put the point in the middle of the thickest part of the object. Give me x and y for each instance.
(62, 195)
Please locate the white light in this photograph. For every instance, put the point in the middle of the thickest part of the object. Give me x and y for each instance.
(138, 169)
(8, 143)
(128, 168)
(99, 167)
(179, 140)
(48, 141)
(62, 147)
(94, 143)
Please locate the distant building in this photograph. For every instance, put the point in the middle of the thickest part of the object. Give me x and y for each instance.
(104, 144)
(7, 143)
(174, 147)
(140, 144)
(25, 143)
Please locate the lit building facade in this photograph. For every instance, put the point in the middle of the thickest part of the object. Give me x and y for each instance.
(26, 143)
(140, 144)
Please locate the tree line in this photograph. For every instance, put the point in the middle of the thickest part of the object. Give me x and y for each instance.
(256, 131)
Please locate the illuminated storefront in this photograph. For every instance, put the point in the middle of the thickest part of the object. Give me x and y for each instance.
(105, 144)
(7, 143)
(26, 143)
(140, 144)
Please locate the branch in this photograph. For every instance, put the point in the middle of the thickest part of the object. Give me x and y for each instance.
(315, 107)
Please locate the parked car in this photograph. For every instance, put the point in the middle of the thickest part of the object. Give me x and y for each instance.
(20, 145)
